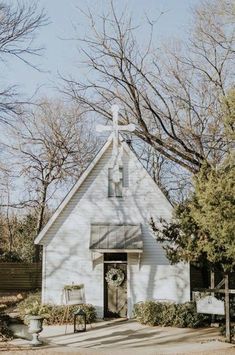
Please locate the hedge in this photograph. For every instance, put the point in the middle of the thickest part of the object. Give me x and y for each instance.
(54, 314)
(170, 314)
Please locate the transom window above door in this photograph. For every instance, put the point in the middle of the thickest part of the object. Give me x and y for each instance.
(115, 257)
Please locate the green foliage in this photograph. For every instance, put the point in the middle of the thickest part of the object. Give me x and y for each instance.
(169, 314)
(36, 309)
(57, 313)
(179, 237)
(17, 238)
(229, 114)
(32, 298)
(5, 333)
(146, 312)
(223, 331)
(214, 212)
(17, 234)
(10, 256)
(53, 314)
(186, 316)
(24, 235)
(203, 229)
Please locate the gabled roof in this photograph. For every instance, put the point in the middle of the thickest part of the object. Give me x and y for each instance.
(74, 189)
(80, 182)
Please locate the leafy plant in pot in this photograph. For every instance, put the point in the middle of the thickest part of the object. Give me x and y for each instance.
(35, 314)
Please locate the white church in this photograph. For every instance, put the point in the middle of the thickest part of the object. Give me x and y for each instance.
(100, 238)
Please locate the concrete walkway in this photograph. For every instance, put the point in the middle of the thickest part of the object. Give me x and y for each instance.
(127, 337)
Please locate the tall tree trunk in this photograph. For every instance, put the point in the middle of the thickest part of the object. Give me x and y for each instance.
(40, 220)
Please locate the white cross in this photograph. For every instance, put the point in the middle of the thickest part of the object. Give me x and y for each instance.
(116, 128)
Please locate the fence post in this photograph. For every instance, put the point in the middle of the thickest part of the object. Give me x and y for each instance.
(227, 309)
(212, 286)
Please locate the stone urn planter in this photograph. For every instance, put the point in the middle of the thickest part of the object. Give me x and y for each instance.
(35, 327)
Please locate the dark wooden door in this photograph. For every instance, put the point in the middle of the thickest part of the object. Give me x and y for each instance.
(115, 298)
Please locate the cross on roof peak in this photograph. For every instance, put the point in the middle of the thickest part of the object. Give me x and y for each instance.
(115, 127)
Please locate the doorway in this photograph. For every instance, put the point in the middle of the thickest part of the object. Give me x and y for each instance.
(115, 295)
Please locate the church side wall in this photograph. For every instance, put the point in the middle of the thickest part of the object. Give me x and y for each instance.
(67, 256)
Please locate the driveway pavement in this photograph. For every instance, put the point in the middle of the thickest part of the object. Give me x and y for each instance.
(126, 338)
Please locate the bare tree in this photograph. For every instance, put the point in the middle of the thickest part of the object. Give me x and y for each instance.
(173, 95)
(19, 23)
(173, 180)
(51, 145)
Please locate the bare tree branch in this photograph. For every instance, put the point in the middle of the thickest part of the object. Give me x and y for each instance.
(19, 23)
(174, 95)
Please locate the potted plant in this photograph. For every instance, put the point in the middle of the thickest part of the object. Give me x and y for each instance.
(35, 314)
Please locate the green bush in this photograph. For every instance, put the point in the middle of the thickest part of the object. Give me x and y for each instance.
(169, 314)
(187, 317)
(146, 312)
(11, 257)
(58, 315)
(27, 303)
(5, 333)
(53, 314)
(223, 331)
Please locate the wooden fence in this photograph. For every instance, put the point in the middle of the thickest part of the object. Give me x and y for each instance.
(20, 276)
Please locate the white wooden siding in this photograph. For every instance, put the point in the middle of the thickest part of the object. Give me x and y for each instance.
(66, 244)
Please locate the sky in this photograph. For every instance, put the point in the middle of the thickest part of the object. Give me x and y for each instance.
(61, 55)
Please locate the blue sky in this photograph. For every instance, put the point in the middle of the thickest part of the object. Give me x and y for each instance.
(61, 55)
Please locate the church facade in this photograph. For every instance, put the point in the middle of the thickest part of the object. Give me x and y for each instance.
(100, 238)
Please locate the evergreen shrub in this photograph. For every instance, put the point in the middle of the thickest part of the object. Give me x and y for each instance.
(170, 314)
